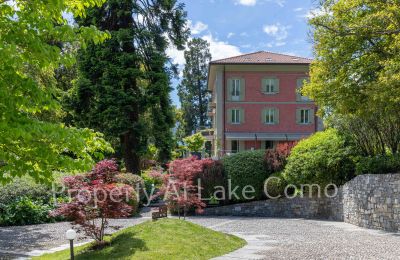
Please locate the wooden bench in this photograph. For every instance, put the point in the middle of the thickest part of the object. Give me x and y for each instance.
(161, 213)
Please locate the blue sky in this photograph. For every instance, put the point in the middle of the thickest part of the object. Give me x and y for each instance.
(234, 27)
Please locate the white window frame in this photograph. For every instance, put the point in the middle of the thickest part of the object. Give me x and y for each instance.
(235, 116)
(269, 114)
(270, 88)
(305, 115)
(235, 90)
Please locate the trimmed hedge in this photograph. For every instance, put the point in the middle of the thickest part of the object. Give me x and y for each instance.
(323, 158)
(276, 186)
(378, 165)
(246, 168)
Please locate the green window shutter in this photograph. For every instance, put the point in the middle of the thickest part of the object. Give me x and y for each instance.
(276, 89)
(242, 89)
(298, 116)
(264, 85)
(263, 115)
(229, 89)
(276, 116)
(241, 115)
(298, 87)
(229, 114)
(312, 116)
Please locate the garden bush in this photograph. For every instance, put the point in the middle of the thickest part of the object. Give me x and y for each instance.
(24, 187)
(275, 159)
(323, 158)
(378, 165)
(246, 168)
(276, 185)
(133, 180)
(25, 211)
(213, 175)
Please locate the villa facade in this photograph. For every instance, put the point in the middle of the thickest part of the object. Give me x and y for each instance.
(256, 103)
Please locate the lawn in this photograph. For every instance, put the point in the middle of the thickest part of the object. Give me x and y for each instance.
(162, 239)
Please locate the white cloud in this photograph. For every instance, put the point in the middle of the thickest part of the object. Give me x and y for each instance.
(246, 2)
(176, 55)
(315, 12)
(281, 3)
(220, 49)
(277, 31)
(230, 35)
(197, 27)
(299, 9)
(244, 34)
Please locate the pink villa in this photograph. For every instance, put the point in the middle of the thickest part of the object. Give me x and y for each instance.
(256, 104)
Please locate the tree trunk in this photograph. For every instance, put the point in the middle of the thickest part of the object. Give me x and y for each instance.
(131, 159)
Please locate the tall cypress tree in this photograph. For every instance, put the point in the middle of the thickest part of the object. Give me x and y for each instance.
(192, 91)
(124, 83)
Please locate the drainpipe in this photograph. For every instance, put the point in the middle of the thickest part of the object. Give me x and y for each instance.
(223, 113)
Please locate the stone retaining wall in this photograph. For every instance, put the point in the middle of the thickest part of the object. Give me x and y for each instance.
(371, 201)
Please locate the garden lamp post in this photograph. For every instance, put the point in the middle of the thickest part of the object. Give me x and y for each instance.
(71, 235)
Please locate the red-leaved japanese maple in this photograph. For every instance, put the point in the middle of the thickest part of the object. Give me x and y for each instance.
(275, 159)
(95, 198)
(180, 189)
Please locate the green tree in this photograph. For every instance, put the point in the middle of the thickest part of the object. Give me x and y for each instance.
(192, 91)
(32, 143)
(195, 142)
(124, 83)
(356, 71)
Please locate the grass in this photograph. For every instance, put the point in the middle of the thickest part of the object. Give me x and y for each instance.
(162, 239)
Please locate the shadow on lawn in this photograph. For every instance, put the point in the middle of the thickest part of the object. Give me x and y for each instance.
(122, 246)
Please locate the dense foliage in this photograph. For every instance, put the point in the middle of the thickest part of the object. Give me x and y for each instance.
(95, 198)
(355, 74)
(32, 141)
(380, 164)
(323, 158)
(193, 91)
(275, 186)
(124, 83)
(25, 211)
(195, 142)
(246, 168)
(212, 177)
(275, 159)
(180, 187)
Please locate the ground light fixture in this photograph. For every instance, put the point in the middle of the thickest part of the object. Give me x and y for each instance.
(71, 235)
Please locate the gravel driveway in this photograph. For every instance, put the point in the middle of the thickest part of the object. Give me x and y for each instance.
(281, 238)
(309, 239)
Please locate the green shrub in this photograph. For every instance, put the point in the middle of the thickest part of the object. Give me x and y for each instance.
(25, 211)
(322, 158)
(276, 186)
(26, 187)
(133, 180)
(246, 168)
(378, 165)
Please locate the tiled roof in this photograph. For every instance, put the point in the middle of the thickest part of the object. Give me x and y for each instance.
(263, 57)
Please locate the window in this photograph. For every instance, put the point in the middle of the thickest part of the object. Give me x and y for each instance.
(270, 116)
(235, 89)
(235, 146)
(305, 116)
(300, 83)
(270, 85)
(269, 145)
(235, 116)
